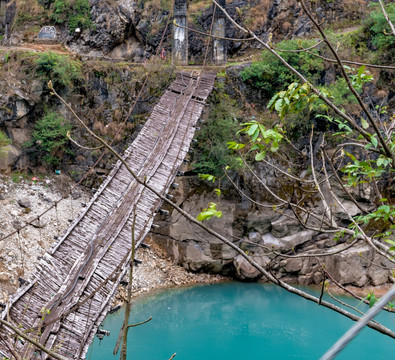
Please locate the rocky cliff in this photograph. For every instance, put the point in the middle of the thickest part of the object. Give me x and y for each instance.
(103, 94)
(133, 30)
(263, 233)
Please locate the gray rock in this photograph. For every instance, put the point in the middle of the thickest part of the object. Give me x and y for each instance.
(17, 224)
(2, 196)
(291, 241)
(244, 269)
(350, 266)
(8, 155)
(349, 208)
(19, 136)
(195, 257)
(38, 223)
(379, 272)
(25, 203)
(271, 241)
(285, 226)
(261, 222)
(291, 265)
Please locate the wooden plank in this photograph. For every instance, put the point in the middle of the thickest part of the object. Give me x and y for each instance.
(105, 226)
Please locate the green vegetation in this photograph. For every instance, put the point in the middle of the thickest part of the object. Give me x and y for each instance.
(4, 140)
(50, 136)
(59, 68)
(269, 74)
(211, 154)
(380, 30)
(73, 13)
(29, 14)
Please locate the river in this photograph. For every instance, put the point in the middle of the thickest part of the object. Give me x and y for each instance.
(234, 320)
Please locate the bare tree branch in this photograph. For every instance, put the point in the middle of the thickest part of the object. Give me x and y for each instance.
(380, 328)
(31, 340)
(385, 146)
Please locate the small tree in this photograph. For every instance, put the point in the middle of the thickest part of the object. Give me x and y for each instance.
(50, 136)
(4, 140)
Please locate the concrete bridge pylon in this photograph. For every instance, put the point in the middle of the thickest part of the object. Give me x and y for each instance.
(180, 34)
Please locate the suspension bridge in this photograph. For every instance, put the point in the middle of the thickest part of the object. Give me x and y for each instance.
(68, 296)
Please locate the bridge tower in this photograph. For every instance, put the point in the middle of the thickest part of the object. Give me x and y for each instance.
(180, 35)
(3, 6)
(219, 45)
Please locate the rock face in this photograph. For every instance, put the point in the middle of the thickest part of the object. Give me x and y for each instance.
(126, 29)
(260, 234)
(104, 97)
(132, 30)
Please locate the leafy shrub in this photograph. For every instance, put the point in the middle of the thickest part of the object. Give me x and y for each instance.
(50, 136)
(74, 13)
(212, 154)
(4, 140)
(270, 75)
(379, 28)
(58, 68)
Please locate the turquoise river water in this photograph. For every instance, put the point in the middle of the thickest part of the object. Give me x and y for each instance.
(237, 321)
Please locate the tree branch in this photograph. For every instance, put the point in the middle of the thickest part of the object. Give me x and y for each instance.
(31, 340)
(380, 328)
(386, 17)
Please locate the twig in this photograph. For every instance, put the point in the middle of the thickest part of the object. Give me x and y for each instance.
(385, 146)
(349, 335)
(140, 323)
(387, 18)
(322, 288)
(340, 286)
(386, 67)
(211, 35)
(345, 304)
(262, 270)
(31, 340)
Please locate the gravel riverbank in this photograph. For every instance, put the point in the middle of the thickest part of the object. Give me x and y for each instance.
(23, 198)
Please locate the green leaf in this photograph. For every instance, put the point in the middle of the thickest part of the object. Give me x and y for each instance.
(279, 104)
(275, 146)
(364, 123)
(272, 100)
(208, 213)
(380, 161)
(361, 70)
(374, 141)
(260, 156)
(234, 145)
(207, 177)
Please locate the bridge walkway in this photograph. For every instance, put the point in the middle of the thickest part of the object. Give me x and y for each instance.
(69, 294)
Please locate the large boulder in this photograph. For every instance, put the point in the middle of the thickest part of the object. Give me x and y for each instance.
(350, 267)
(244, 270)
(8, 155)
(286, 226)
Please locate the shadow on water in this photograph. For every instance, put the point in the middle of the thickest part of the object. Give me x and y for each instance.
(234, 320)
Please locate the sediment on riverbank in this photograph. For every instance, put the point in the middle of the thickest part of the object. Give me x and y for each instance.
(157, 271)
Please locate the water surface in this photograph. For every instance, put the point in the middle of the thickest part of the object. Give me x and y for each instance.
(237, 321)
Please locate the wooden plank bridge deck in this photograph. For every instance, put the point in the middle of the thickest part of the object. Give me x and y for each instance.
(69, 293)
